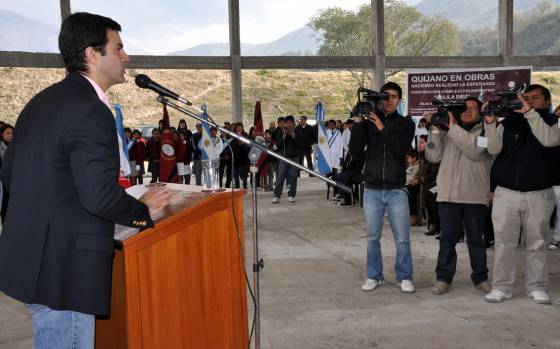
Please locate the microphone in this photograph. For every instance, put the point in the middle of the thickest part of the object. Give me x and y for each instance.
(143, 81)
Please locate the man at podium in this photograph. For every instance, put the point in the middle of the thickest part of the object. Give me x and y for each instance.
(56, 246)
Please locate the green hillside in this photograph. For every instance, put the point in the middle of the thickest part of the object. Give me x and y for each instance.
(295, 91)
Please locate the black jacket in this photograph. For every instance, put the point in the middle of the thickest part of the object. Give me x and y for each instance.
(385, 155)
(308, 135)
(524, 164)
(195, 140)
(241, 151)
(56, 246)
(289, 146)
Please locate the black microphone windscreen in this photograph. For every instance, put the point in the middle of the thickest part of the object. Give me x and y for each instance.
(142, 81)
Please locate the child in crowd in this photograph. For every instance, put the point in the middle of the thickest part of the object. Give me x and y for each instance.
(412, 183)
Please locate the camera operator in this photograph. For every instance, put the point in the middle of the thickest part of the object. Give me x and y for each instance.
(524, 173)
(463, 185)
(289, 143)
(387, 135)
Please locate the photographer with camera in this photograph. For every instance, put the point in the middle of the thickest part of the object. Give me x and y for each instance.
(387, 135)
(463, 185)
(524, 171)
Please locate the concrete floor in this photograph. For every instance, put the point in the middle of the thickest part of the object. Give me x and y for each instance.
(314, 255)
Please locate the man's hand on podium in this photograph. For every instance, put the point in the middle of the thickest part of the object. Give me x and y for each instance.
(156, 199)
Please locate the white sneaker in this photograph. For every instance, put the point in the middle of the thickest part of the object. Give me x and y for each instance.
(407, 286)
(275, 200)
(496, 296)
(371, 284)
(539, 296)
(291, 199)
(553, 245)
(338, 197)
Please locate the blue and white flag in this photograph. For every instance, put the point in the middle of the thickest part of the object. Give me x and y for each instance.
(123, 150)
(481, 94)
(206, 146)
(400, 108)
(324, 165)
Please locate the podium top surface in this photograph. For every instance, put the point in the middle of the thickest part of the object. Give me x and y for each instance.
(184, 197)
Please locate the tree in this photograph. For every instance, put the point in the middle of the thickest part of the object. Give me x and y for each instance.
(407, 33)
(535, 32)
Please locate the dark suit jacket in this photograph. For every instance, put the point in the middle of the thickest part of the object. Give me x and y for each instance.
(61, 170)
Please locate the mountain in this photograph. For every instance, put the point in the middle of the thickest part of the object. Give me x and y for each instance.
(296, 43)
(486, 13)
(19, 33)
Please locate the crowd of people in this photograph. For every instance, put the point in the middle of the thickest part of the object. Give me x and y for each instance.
(447, 172)
(464, 176)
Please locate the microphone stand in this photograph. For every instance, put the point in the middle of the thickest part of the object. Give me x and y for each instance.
(258, 264)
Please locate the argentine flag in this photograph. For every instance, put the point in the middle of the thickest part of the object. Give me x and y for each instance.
(400, 108)
(481, 95)
(207, 147)
(123, 150)
(323, 153)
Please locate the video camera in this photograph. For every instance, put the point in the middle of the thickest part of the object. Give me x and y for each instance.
(440, 117)
(367, 101)
(505, 103)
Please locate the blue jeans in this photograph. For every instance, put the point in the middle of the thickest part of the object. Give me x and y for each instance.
(395, 202)
(61, 329)
(289, 174)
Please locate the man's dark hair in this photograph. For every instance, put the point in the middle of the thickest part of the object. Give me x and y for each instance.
(545, 92)
(349, 122)
(471, 98)
(289, 118)
(303, 117)
(281, 119)
(331, 121)
(128, 129)
(79, 31)
(267, 131)
(424, 137)
(392, 86)
(413, 153)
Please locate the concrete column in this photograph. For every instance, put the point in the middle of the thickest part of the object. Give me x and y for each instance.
(378, 37)
(505, 31)
(235, 57)
(65, 10)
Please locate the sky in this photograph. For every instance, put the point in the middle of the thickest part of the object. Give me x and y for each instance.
(163, 26)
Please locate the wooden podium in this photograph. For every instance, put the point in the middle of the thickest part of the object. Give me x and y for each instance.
(181, 284)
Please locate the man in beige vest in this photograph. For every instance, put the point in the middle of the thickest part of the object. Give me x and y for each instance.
(463, 185)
